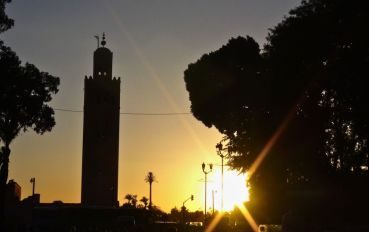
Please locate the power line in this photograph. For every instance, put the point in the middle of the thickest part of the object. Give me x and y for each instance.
(128, 113)
(71, 111)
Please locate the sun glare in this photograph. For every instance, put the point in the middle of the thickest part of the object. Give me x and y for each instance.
(235, 189)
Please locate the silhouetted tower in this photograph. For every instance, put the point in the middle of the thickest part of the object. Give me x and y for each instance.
(101, 132)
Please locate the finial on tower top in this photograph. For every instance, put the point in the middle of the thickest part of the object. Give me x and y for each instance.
(103, 42)
(98, 40)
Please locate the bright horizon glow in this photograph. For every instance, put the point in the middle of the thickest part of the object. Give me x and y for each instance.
(153, 44)
(236, 191)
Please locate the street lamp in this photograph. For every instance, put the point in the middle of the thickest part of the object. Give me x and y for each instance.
(33, 181)
(206, 180)
(212, 194)
(219, 148)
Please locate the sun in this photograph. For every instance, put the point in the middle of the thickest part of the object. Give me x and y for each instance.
(235, 189)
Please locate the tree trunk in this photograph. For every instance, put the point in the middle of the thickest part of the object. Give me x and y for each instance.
(150, 204)
(4, 166)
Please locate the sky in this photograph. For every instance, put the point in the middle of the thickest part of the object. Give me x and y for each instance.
(153, 42)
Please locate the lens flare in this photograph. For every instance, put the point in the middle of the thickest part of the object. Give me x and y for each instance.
(153, 74)
(248, 217)
(254, 226)
(214, 222)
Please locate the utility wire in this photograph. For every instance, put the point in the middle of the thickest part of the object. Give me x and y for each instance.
(128, 113)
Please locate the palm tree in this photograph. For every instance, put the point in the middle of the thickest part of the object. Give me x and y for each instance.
(145, 201)
(150, 178)
(129, 198)
(132, 200)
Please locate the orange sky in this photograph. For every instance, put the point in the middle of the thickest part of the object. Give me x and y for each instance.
(152, 44)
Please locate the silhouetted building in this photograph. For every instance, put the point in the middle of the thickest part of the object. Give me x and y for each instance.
(13, 192)
(12, 195)
(101, 132)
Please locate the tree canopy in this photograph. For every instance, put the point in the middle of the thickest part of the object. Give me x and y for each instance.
(5, 21)
(25, 90)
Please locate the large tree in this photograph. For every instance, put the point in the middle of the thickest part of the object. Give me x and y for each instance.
(231, 90)
(25, 92)
(308, 86)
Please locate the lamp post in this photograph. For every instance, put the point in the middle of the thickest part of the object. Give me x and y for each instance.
(183, 207)
(33, 181)
(219, 148)
(212, 193)
(206, 180)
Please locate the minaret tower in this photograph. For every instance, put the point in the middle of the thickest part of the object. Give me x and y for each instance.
(101, 132)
